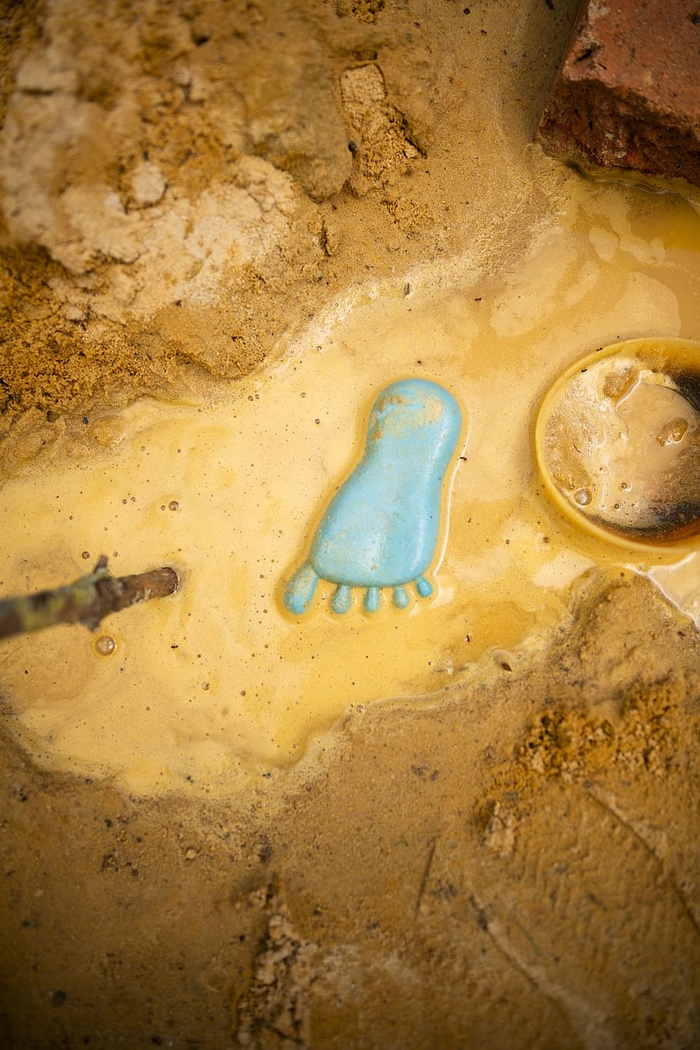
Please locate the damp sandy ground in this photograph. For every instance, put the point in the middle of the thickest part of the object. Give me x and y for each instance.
(506, 856)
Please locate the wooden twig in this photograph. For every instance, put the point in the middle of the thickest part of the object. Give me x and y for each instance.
(87, 600)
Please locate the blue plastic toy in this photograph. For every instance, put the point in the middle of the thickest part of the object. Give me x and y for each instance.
(382, 526)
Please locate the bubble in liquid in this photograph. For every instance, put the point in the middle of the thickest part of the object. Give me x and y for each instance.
(582, 497)
(673, 431)
(105, 645)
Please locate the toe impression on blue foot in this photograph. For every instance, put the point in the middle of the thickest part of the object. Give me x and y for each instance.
(342, 599)
(424, 587)
(381, 528)
(372, 599)
(301, 589)
(400, 597)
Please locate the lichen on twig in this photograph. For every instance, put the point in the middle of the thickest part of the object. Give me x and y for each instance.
(87, 601)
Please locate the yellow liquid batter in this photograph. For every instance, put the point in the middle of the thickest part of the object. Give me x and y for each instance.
(209, 689)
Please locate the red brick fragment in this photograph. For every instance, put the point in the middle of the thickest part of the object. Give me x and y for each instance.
(627, 95)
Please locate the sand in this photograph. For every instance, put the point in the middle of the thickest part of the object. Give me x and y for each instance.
(187, 190)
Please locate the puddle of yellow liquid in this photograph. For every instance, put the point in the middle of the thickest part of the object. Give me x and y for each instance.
(209, 689)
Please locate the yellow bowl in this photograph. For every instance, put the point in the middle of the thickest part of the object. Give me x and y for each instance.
(617, 443)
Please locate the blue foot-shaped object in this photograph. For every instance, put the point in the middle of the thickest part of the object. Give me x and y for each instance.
(382, 527)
